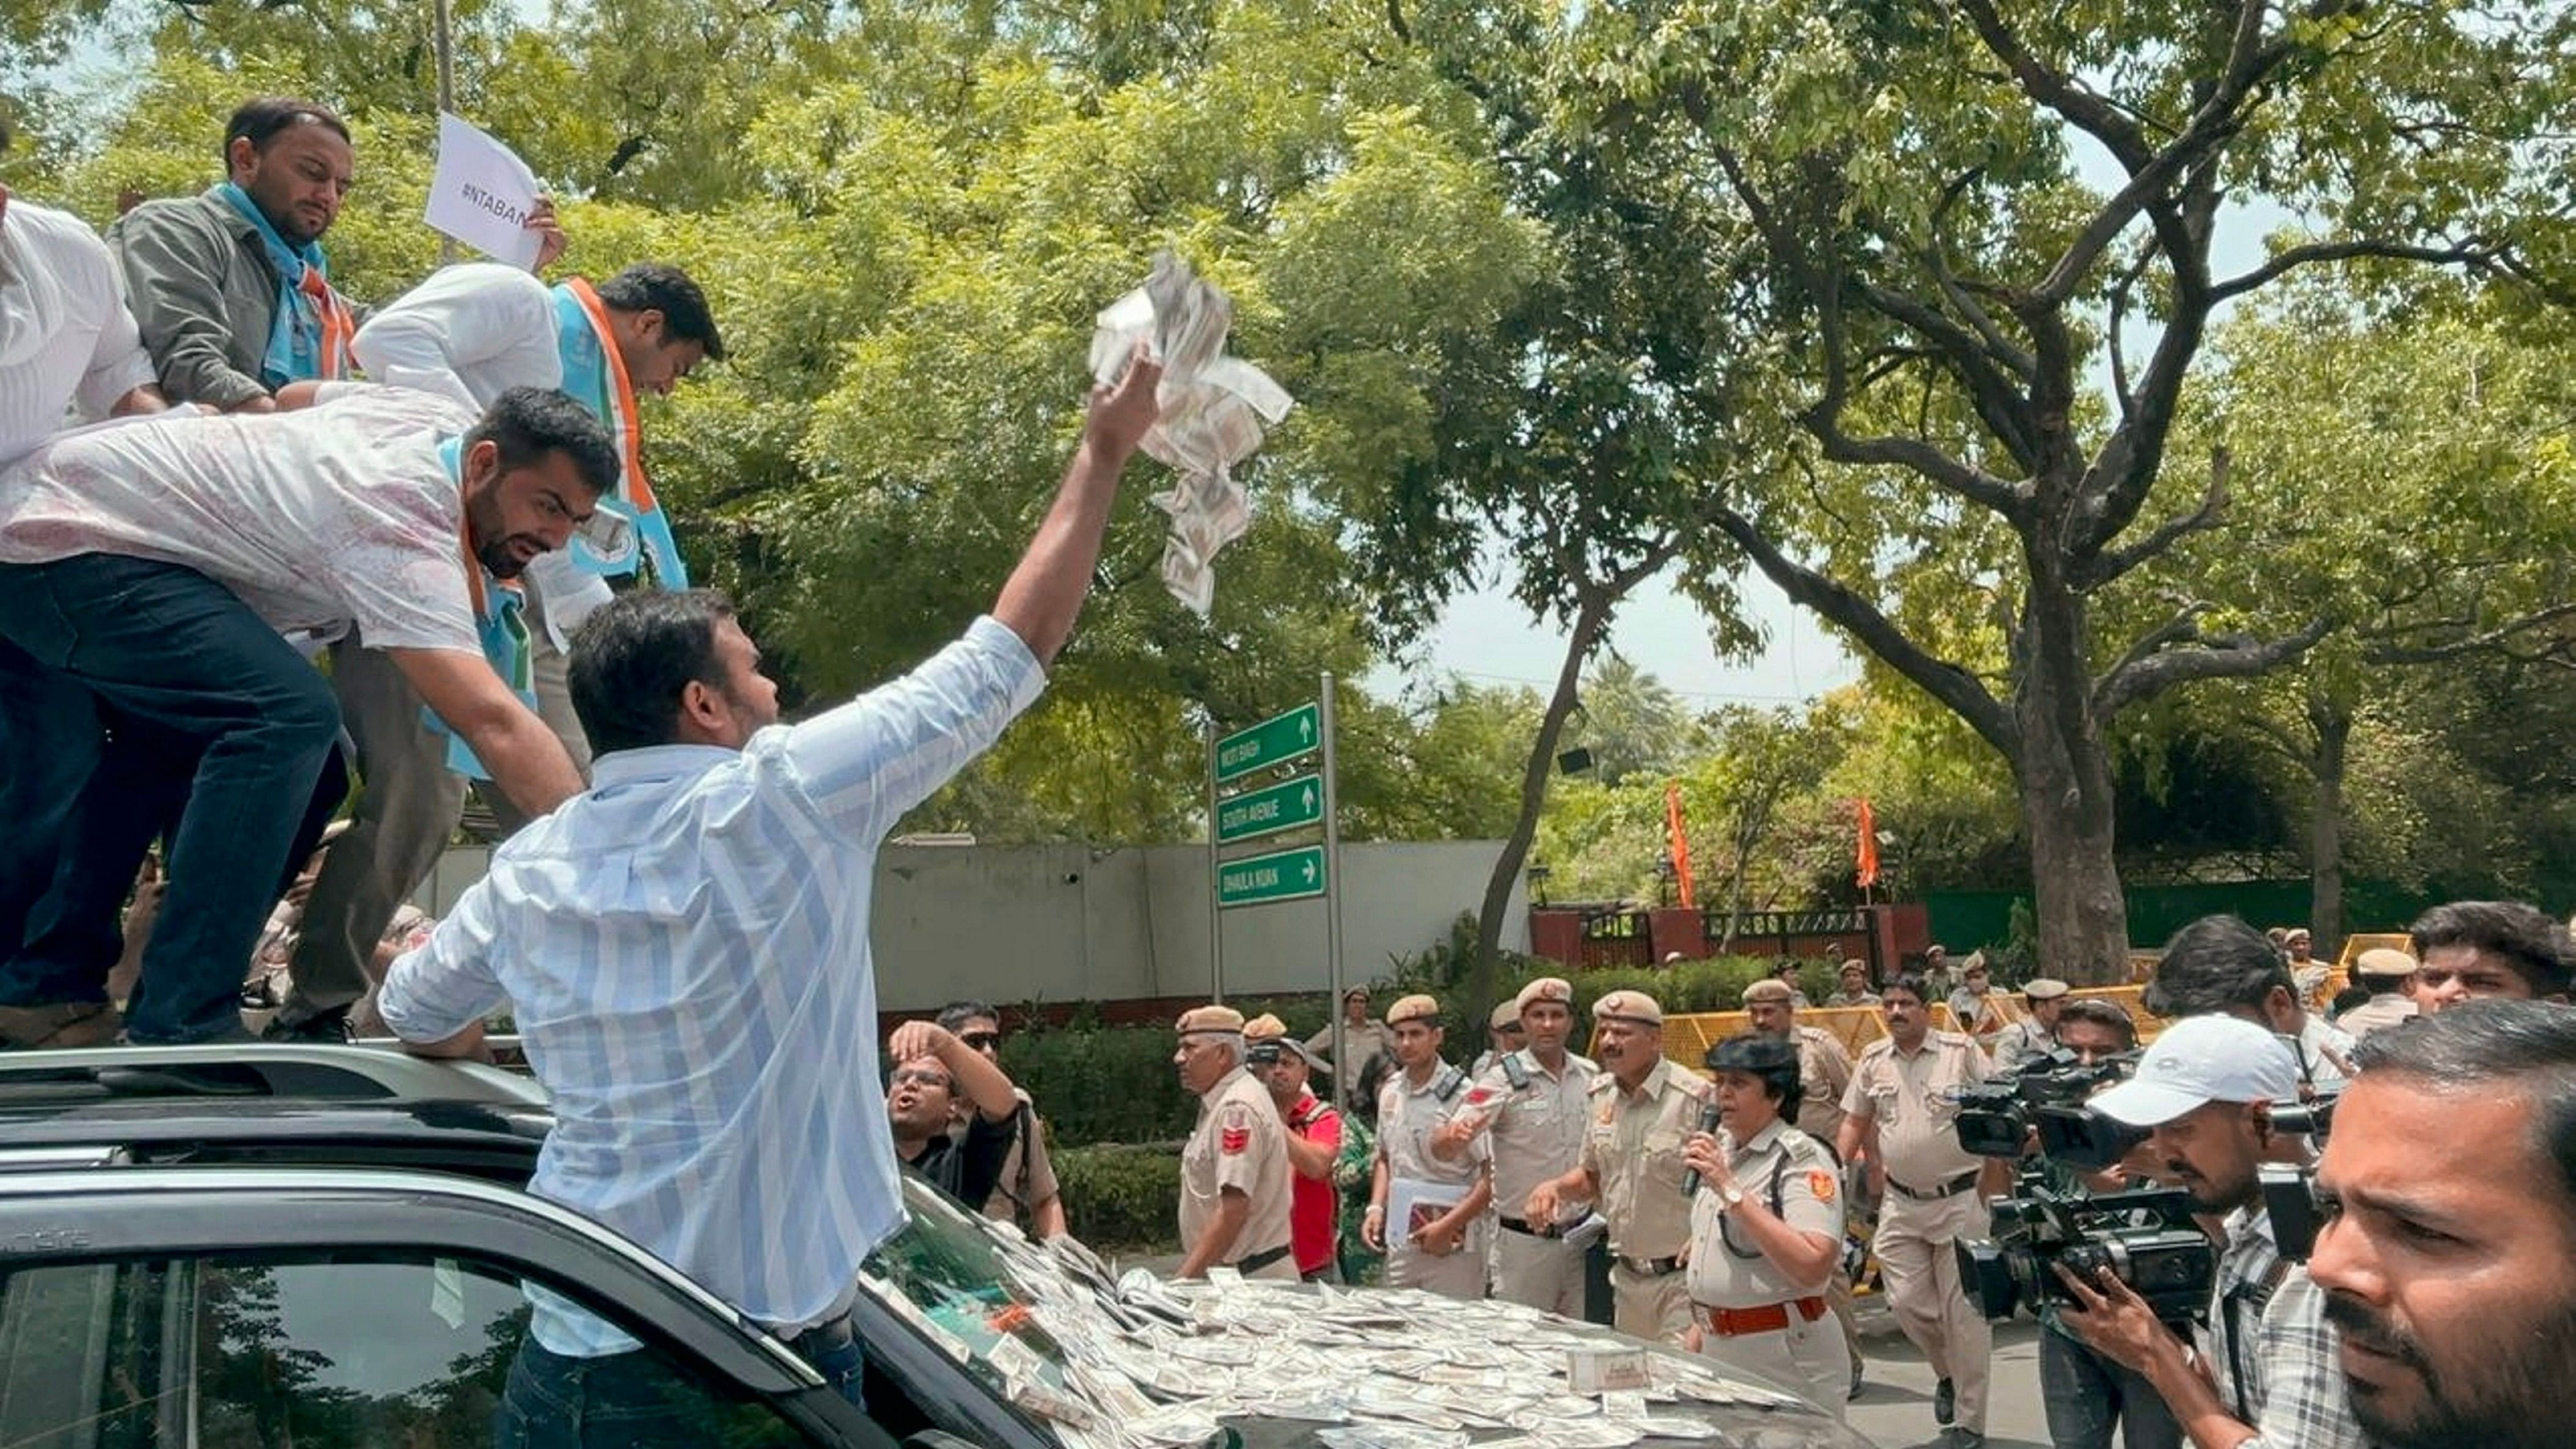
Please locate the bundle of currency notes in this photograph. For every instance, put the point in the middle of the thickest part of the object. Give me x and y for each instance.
(1215, 411)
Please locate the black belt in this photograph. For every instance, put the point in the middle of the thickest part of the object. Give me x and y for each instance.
(1950, 1187)
(1650, 1267)
(1254, 1263)
(1522, 1227)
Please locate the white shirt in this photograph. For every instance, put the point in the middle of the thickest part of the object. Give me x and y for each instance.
(335, 515)
(474, 331)
(685, 948)
(66, 337)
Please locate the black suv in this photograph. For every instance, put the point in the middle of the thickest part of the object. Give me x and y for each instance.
(324, 1246)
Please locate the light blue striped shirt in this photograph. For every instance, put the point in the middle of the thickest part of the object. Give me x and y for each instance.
(686, 950)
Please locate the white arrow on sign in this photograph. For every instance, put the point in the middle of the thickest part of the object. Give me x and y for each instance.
(1309, 798)
(1310, 871)
(1306, 728)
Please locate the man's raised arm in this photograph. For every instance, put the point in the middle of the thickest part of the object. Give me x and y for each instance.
(1045, 591)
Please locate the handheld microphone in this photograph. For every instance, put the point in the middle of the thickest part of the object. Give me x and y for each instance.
(1707, 1124)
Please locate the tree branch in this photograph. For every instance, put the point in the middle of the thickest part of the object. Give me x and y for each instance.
(1997, 402)
(2102, 568)
(1953, 686)
(2143, 677)
(2472, 252)
(2498, 640)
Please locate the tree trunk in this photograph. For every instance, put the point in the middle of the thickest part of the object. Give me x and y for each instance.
(1589, 621)
(2332, 722)
(2064, 773)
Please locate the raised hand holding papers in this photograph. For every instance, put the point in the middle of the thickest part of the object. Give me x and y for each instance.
(481, 194)
(1215, 410)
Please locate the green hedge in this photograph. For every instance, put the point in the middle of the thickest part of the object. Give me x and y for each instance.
(1122, 1198)
(1098, 1084)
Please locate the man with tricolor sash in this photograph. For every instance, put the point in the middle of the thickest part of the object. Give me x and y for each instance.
(472, 332)
(231, 287)
(166, 569)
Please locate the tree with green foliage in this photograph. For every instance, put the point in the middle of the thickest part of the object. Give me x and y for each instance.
(1940, 281)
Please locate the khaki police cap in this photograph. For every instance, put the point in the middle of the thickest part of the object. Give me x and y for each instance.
(1210, 1018)
(1769, 988)
(2044, 988)
(1852, 965)
(1635, 1006)
(1506, 1016)
(1264, 1027)
(2384, 963)
(1416, 1007)
(1546, 988)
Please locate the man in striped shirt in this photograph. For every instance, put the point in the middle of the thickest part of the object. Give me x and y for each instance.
(685, 946)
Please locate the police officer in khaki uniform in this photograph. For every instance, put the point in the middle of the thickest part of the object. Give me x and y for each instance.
(1766, 1226)
(1234, 1172)
(1643, 1110)
(1903, 1108)
(1531, 1106)
(1824, 1074)
(1435, 1242)
(2384, 973)
(2035, 1035)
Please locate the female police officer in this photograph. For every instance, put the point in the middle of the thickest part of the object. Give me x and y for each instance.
(1766, 1228)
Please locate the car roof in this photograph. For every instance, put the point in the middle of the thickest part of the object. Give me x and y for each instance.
(279, 1104)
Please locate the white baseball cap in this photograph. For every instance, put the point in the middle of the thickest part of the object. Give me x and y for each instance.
(2198, 1060)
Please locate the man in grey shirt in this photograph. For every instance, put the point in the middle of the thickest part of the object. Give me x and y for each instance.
(208, 276)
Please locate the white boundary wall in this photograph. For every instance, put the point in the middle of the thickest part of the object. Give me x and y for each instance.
(1072, 922)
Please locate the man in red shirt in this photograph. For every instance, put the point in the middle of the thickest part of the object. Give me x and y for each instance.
(1314, 1140)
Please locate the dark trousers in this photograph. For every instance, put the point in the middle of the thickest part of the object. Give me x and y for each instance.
(2086, 1395)
(100, 637)
(635, 1400)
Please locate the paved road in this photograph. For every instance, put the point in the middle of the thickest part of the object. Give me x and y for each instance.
(1895, 1409)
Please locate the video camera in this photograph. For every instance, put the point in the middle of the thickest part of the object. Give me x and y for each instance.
(2145, 1238)
(2046, 1096)
(2290, 1201)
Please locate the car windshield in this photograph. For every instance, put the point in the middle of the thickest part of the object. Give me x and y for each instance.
(1134, 1359)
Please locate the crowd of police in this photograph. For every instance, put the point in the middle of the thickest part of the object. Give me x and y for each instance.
(2420, 1158)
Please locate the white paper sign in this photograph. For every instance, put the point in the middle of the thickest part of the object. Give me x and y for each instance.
(482, 193)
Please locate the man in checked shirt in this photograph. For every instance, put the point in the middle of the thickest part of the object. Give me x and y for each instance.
(2267, 1355)
(685, 946)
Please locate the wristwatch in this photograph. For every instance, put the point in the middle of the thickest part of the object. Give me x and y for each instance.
(1731, 1195)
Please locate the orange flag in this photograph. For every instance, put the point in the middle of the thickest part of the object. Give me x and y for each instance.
(1868, 845)
(1678, 841)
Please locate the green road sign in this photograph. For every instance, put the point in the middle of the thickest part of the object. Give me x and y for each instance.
(1282, 875)
(1274, 741)
(1267, 812)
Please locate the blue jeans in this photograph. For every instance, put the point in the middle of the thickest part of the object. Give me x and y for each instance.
(631, 1401)
(2085, 1395)
(101, 636)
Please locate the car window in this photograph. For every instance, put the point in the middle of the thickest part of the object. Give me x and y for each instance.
(317, 1351)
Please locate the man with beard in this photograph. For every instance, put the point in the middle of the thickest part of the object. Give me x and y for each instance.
(2450, 1193)
(685, 945)
(2206, 1089)
(158, 571)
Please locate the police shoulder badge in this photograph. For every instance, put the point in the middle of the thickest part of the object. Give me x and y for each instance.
(1234, 1133)
(1821, 1183)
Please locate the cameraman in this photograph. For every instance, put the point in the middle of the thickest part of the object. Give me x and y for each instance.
(2450, 1195)
(2206, 1089)
(2220, 964)
(2085, 1393)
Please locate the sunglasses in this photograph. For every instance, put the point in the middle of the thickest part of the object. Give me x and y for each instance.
(982, 1041)
(916, 1077)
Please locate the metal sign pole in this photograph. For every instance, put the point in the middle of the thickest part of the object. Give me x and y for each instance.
(1215, 877)
(1333, 882)
(443, 46)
